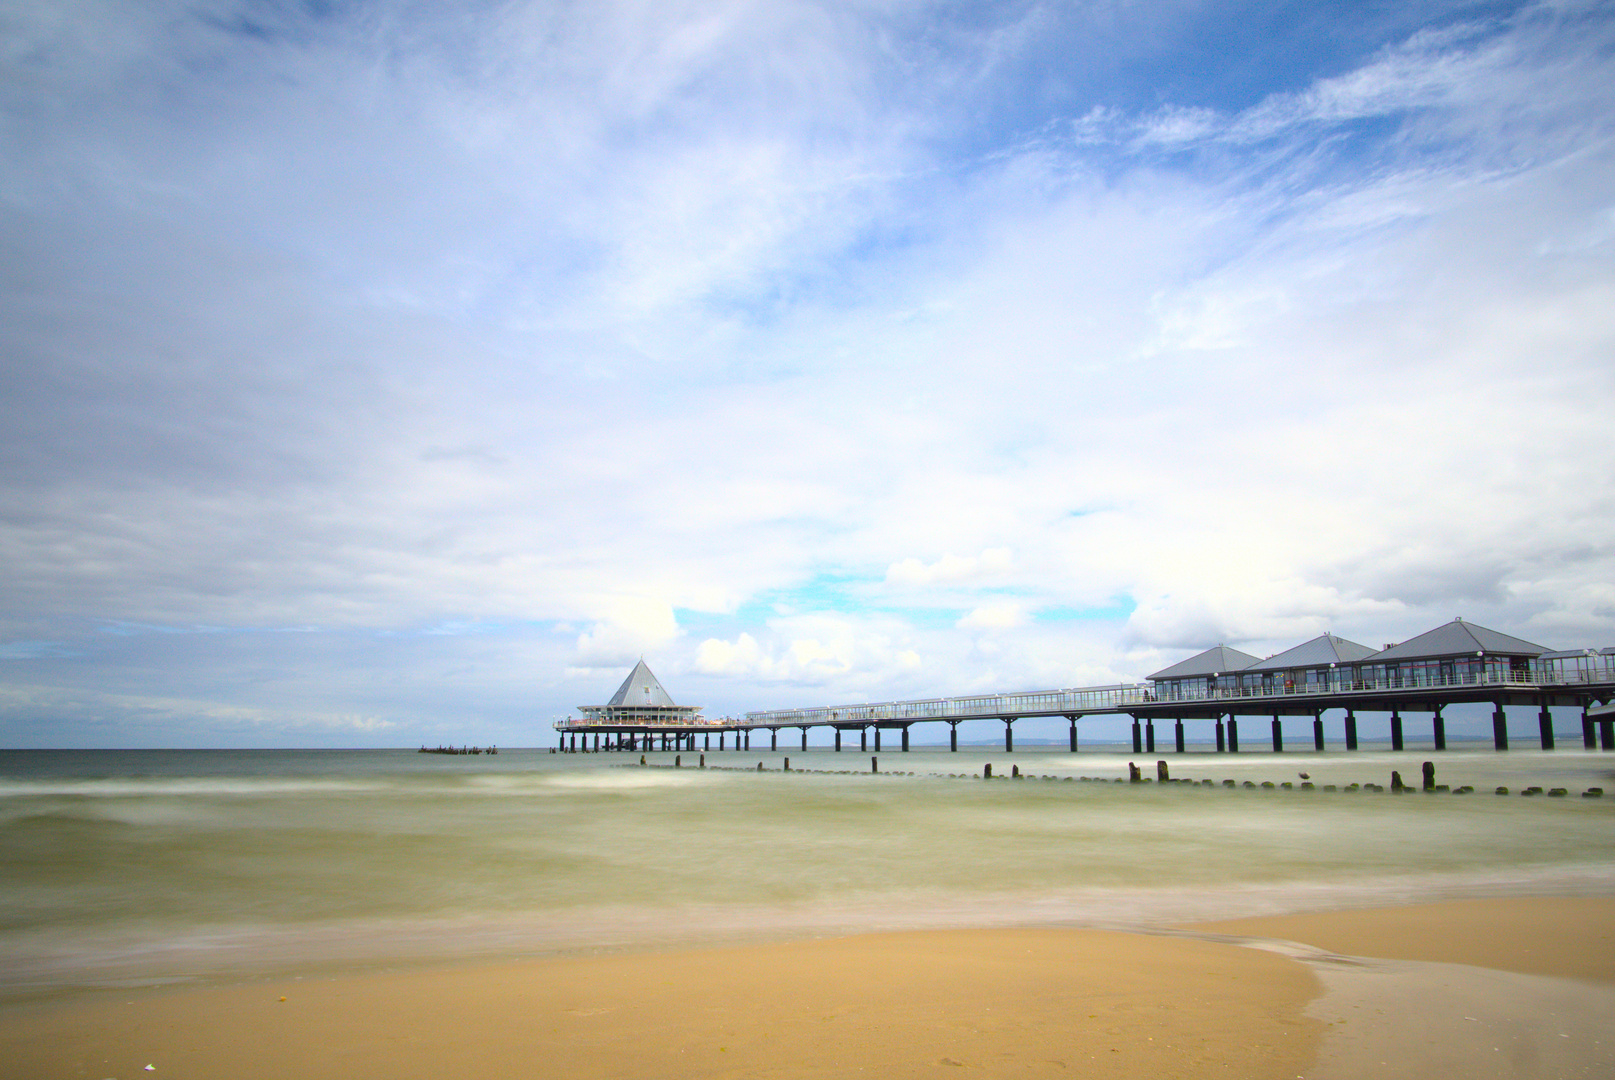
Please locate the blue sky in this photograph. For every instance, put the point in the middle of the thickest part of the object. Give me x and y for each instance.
(380, 373)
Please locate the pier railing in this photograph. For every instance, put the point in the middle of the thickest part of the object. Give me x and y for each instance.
(1115, 699)
(1409, 681)
(973, 707)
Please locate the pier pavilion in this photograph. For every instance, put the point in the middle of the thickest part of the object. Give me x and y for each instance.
(637, 714)
(1456, 663)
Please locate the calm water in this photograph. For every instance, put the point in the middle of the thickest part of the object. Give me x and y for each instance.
(146, 866)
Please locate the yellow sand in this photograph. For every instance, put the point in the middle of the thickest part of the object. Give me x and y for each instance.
(981, 1003)
(1027, 1002)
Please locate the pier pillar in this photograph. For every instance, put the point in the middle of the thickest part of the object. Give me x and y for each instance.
(905, 740)
(953, 736)
(1149, 736)
(1138, 738)
(748, 740)
(838, 740)
(1438, 728)
(1544, 720)
(1009, 734)
(1499, 728)
(773, 738)
(804, 738)
(707, 745)
(721, 737)
(1606, 734)
(1073, 720)
(1177, 734)
(1396, 730)
(863, 739)
(1317, 733)
(1233, 734)
(877, 738)
(1351, 730)
(1278, 736)
(1222, 739)
(1588, 739)
(574, 743)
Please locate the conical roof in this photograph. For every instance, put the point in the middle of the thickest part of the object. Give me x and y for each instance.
(640, 689)
(1459, 638)
(1319, 652)
(1213, 661)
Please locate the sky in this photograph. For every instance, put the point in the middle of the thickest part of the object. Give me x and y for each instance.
(382, 373)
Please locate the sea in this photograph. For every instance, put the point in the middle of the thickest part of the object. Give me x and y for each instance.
(147, 867)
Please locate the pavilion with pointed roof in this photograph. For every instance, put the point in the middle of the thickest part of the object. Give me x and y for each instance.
(1201, 673)
(641, 702)
(1323, 662)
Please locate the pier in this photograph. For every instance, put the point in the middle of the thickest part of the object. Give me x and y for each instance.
(1457, 663)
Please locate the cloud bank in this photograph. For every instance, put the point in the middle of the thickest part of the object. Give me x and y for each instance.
(383, 374)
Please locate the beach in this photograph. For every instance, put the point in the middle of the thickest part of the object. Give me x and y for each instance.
(385, 915)
(1005, 1002)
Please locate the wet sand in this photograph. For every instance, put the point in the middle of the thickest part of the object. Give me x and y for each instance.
(1484, 989)
(1516, 987)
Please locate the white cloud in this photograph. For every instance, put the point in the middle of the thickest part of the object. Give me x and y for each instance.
(1004, 615)
(993, 563)
(614, 317)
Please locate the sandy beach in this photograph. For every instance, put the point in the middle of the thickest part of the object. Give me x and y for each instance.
(999, 1002)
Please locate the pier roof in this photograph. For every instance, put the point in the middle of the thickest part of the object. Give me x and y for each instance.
(641, 689)
(1319, 652)
(1214, 661)
(1459, 638)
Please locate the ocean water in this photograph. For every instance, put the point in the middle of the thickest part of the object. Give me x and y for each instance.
(141, 867)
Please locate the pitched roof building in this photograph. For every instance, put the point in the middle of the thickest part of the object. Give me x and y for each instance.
(641, 701)
(1458, 638)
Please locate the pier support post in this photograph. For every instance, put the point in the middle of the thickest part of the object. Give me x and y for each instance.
(1317, 732)
(804, 738)
(1606, 734)
(1499, 728)
(1396, 730)
(863, 739)
(953, 736)
(877, 738)
(1177, 734)
(1138, 737)
(1351, 730)
(1233, 734)
(1544, 720)
(838, 740)
(1009, 734)
(1222, 738)
(1278, 736)
(748, 739)
(1073, 720)
(1438, 728)
(773, 738)
(905, 739)
(707, 745)
(721, 737)
(1588, 739)
(1149, 736)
